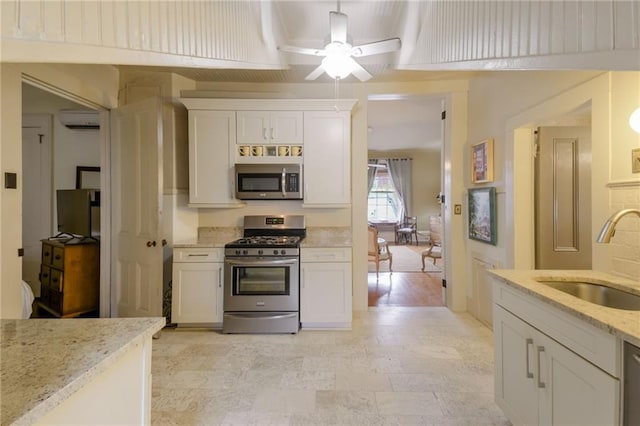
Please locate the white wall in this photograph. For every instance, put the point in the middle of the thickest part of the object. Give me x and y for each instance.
(510, 119)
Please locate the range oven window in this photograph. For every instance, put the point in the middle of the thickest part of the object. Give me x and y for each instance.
(261, 281)
(265, 182)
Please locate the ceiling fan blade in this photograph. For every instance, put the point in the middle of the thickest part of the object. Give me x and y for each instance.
(360, 73)
(377, 47)
(315, 73)
(302, 50)
(338, 25)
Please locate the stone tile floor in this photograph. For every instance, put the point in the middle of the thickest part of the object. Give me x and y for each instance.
(397, 366)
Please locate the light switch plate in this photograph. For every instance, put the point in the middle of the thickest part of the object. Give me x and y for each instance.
(457, 209)
(635, 160)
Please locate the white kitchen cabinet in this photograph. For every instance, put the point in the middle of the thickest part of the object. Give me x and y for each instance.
(325, 287)
(327, 159)
(278, 127)
(196, 296)
(211, 179)
(540, 381)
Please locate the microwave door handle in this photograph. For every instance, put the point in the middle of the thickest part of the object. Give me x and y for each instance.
(283, 182)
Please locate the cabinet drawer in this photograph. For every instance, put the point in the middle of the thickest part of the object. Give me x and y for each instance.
(58, 257)
(55, 301)
(47, 254)
(333, 254)
(45, 276)
(56, 280)
(192, 254)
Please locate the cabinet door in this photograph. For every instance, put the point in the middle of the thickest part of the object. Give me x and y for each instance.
(210, 164)
(197, 293)
(253, 127)
(325, 294)
(327, 160)
(515, 370)
(575, 391)
(286, 127)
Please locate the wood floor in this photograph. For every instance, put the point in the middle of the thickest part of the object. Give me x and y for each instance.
(405, 289)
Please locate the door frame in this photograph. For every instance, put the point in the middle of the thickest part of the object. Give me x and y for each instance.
(105, 186)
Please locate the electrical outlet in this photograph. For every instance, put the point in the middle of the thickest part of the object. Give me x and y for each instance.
(635, 160)
(457, 209)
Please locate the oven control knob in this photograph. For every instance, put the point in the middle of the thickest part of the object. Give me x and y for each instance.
(283, 252)
(237, 251)
(245, 252)
(275, 252)
(260, 252)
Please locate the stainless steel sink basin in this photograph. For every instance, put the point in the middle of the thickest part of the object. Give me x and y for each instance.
(598, 294)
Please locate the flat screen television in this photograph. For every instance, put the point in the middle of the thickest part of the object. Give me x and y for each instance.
(78, 212)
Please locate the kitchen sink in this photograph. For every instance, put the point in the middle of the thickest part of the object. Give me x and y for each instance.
(598, 294)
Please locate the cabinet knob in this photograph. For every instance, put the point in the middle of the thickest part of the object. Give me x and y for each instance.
(151, 243)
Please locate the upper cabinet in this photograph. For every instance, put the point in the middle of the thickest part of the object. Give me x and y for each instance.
(315, 132)
(265, 127)
(211, 181)
(327, 158)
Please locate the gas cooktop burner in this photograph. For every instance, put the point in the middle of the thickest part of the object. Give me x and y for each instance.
(266, 241)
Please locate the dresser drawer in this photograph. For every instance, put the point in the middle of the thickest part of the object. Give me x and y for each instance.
(56, 280)
(45, 276)
(47, 254)
(193, 254)
(58, 257)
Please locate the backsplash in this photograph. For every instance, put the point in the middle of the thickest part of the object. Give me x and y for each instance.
(625, 245)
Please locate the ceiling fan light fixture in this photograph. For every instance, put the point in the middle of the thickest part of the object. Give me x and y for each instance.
(337, 65)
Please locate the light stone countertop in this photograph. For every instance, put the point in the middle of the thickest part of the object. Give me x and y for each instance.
(45, 361)
(336, 236)
(621, 323)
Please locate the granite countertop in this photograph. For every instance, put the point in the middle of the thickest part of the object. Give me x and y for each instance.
(45, 361)
(621, 323)
(336, 236)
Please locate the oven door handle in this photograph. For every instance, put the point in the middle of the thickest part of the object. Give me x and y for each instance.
(262, 262)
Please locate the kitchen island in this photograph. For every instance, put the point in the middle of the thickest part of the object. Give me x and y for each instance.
(81, 371)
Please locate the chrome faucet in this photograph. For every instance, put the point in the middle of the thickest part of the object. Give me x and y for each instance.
(609, 227)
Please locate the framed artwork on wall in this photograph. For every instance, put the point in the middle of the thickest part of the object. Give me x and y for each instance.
(482, 161)
(87, 177)
(482, 215)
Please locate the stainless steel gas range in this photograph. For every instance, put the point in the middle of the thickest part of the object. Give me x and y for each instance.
(262, 276)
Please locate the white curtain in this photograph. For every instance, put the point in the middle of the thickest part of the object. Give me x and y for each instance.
(371, 175)
(400, 172)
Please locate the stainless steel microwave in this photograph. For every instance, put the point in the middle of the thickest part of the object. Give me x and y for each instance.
(268, 181)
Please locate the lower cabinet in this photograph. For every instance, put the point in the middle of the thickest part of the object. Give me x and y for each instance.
(325, 288)
(196, 296)
(541, 382)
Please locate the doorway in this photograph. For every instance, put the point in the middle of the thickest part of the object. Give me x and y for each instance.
(51, 154)
(405, 129)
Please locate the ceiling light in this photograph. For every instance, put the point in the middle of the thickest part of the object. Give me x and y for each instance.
(634, 120)
(337, 65)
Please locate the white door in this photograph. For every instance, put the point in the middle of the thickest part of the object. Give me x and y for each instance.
(136, 156)
(36, 193)
(563, 198)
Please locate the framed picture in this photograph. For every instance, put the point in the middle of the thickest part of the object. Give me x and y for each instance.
(482, 215)
(87, 177)
(482, 161)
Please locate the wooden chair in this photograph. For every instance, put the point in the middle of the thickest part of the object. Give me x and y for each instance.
(434, 251)
(378, 250)
(407, 228)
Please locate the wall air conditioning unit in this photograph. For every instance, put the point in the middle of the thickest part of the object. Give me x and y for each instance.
(80, 119)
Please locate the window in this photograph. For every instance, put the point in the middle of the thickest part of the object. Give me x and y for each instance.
(384, 202)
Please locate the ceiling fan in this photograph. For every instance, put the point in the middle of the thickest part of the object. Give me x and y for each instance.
(339, 54)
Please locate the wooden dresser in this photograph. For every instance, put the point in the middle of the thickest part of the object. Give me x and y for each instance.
(70, 276)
